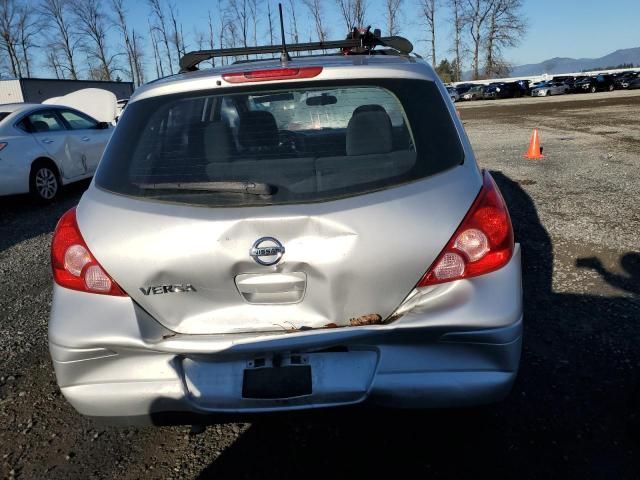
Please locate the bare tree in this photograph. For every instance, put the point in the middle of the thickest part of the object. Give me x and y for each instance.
(53, 62)
(231, 36)
(347, 13)
(270, 18)
(28, 27)
(177, 38)
(477, 12)
(359, 12)
(133, 54)
(315, 8)
(353, 12)
(9, 40)
(138, 56)
(392, 10)
(94, 25)
(240, 19)
(223, 23)
(254, 8)
(212, 36)
(156, 52)
(428, 13)
(163, 31)
(200, 38)
(458, 21)
(294, 33)
(505, 28)
(56, 14)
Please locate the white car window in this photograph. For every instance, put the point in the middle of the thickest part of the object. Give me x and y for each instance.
(45, 121)
(77, 120)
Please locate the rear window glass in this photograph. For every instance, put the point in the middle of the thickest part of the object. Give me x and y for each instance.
(267, 145)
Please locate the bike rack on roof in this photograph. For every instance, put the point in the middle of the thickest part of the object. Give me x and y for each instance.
(358, 42)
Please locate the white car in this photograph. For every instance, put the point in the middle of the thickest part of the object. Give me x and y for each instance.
(546, 89)
(43, 147)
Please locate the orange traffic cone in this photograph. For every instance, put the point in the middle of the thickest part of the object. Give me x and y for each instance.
(535, 151)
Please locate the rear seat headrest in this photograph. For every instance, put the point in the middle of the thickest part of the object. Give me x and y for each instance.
(258, 130)
(218, 142)
(369, 108)
(369, 131)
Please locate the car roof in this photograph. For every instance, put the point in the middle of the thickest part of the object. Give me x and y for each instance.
(334, 67)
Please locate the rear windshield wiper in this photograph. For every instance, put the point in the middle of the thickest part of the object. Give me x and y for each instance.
(251, 188)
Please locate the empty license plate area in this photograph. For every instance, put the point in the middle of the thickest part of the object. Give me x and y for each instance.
(277, 382)
(280, 380)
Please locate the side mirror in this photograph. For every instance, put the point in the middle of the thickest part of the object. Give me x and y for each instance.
(102, 125)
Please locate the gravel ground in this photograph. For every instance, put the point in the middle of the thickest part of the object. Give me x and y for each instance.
(575, 409)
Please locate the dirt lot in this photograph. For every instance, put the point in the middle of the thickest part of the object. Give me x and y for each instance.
(574, 412)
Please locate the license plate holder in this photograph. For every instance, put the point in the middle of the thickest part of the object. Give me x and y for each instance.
(270, 383)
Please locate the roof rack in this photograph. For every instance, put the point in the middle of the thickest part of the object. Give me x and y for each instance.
(359, 42)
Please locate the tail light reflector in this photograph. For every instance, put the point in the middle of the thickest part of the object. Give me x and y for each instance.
(482, 243)
(73, 265)
(272, 74)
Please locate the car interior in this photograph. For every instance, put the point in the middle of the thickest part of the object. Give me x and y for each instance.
(243, 142)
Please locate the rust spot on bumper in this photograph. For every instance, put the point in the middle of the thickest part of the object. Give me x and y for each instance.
(371, 319)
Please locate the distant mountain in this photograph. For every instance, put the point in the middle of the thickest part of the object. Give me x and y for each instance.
(569, 65)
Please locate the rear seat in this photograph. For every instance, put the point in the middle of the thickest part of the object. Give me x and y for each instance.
(369, 144)
(370, 156)
(258, 139)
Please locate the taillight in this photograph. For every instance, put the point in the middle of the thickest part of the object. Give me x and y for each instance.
(2, 145)
(482, 243)
(73, 264)
(272, 74)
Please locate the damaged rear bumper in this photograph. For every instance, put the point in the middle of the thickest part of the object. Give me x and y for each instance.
(460, 346)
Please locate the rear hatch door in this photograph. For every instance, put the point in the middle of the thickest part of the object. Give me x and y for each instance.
(324, 234)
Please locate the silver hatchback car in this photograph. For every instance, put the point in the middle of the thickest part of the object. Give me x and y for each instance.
(272, 236)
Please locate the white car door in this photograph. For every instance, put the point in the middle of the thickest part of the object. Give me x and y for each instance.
(88, 133)
(51, 133)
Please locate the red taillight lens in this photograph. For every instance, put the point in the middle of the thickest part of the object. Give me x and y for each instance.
(482, 243)
(272, 74)
(73, 264)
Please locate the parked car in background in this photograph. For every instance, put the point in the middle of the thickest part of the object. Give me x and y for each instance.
(634, 84)
(524, 86)
(598, 83)
(222, 261)
(547, 89)
(453, 93)
(43, 147)
(502, 90)
(475, 93)
(622, 81)
(463, 88)
(572, 81)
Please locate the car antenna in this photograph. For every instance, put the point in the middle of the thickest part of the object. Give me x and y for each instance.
(284, 56)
